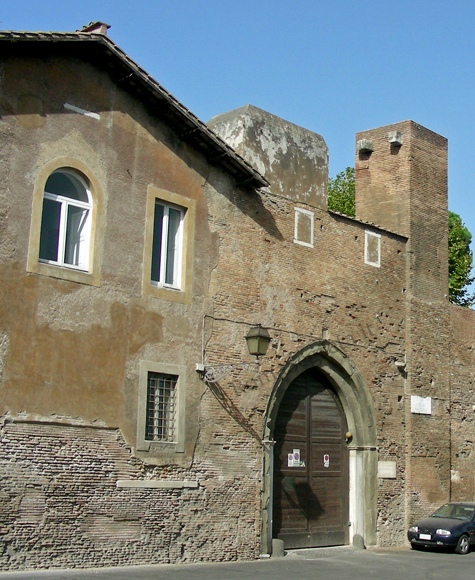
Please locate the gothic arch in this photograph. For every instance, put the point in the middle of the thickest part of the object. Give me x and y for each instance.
(358, 406)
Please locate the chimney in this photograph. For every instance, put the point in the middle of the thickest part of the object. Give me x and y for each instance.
(96, 28)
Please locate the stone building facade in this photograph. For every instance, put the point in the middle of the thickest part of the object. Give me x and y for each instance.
(138, 245)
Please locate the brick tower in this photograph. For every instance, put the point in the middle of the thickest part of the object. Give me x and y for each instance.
(401, 185)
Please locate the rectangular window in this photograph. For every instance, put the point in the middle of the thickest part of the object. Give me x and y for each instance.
(303, 227)
(167, 243)
(161, 407)
(372, 249)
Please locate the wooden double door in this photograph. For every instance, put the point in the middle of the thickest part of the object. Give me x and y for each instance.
(311, 480)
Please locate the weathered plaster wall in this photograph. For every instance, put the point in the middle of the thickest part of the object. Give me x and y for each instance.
(74, 349)
(293, 159)
(70, 353)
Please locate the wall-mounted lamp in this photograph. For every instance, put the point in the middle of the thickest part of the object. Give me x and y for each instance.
(257, 340)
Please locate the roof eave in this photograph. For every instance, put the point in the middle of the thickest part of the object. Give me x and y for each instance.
(192, 129)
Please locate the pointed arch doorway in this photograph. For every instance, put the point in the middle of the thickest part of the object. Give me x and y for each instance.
(311, 465)
(317, 398)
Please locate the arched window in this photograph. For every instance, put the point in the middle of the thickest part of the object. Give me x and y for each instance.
(66, 220)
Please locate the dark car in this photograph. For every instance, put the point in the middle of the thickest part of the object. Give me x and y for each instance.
(451, 526)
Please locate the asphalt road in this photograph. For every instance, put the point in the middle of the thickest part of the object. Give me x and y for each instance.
(343, 563)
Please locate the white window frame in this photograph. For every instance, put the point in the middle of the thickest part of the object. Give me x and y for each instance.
(176, 283)
(309, 214)
(92, 276)
(369, 234)
(178, 445)
(65, 204)
(182, 294)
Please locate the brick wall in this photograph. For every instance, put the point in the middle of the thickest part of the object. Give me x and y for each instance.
(404, 189)
(60, 506)
(306, 294)
(462, 408)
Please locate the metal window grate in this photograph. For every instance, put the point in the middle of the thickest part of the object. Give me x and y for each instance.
(161, 406)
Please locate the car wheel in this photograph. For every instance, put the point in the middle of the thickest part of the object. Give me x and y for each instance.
(463, 545)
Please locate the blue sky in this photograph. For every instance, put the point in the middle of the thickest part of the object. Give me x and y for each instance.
(335, 67)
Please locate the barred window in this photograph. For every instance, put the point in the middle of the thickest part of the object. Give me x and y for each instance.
(161, 407)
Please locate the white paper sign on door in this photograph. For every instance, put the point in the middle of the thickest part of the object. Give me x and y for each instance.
(293, 459)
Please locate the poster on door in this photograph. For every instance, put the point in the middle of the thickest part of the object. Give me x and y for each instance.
(294, 460)
(326, 460)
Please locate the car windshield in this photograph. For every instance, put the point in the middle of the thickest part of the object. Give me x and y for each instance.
(455, 511)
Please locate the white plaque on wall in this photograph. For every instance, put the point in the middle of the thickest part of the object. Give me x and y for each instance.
(421, 405)
(387, 469)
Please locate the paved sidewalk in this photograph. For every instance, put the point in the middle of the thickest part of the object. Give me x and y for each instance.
(341, 563)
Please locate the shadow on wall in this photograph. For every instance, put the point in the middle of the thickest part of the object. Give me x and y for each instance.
(251, 203)
(232, 410)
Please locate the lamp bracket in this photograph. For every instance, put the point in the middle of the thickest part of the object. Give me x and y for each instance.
(214, 374)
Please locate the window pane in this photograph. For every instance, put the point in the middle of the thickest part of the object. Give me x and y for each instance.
(67, 185)
(76, 242)
(157, 243)
(171, 274)
(160, 416)
(49, 238)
